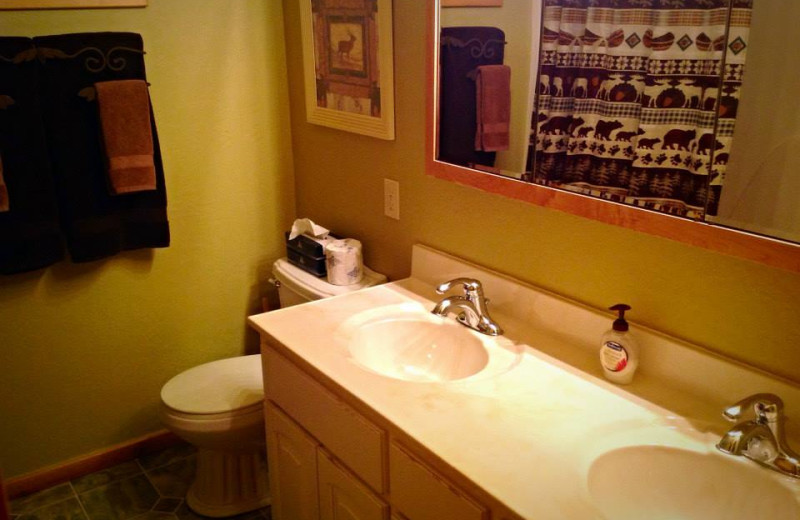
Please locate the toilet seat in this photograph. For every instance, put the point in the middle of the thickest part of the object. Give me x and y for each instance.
(216, 390)
(214, 421)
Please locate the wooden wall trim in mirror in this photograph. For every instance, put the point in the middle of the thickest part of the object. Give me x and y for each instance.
(765, 250)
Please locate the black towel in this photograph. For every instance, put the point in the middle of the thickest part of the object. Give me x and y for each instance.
(96, 223)
(29, 232)
(463, 50)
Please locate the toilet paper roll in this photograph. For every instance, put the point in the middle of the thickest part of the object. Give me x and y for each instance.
(344, 262)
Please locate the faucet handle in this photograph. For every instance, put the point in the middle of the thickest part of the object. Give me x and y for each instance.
(471, 286)
(767, 408)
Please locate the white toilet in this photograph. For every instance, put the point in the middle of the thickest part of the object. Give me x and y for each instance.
(218, 407)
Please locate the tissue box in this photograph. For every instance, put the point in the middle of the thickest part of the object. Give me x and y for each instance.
(306, 245)
(312, 264)
(307, 253)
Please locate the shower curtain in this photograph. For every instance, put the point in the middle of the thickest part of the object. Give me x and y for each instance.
(627, 97)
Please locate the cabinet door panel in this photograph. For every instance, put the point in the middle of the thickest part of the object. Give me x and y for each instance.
(422, 494)
(343, 497)
(292, 457)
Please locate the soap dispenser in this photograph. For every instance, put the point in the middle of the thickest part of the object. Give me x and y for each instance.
(619, 353)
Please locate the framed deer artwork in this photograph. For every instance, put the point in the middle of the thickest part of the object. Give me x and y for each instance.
(348, 65)
(472, 3)
(69, 4)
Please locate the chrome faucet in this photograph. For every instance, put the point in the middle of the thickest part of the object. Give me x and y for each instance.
(470, 309)
(761, 439)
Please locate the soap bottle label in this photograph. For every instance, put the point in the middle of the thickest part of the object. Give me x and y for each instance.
(614, 356)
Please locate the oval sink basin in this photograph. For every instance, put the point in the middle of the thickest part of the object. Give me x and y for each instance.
(657, 482)
(418, 350)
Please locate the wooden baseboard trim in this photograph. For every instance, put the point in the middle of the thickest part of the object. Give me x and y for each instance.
(89, 463)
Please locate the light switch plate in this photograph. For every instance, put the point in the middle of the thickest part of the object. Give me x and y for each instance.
(391, 199)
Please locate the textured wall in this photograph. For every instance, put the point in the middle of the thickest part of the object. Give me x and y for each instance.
(85, 349)
(731, 306)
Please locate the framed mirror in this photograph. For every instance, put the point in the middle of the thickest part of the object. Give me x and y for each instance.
(731, 231)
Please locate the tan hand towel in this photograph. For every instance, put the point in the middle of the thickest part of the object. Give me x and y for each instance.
(493, 100)
(4, 205)
(125, 123)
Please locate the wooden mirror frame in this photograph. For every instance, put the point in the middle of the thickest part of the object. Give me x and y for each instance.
(765, 250)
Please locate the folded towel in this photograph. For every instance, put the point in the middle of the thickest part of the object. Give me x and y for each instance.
(3, 190)
(493, 98)
(124, 108)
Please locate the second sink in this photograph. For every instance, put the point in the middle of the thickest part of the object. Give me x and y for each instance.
(660, 482)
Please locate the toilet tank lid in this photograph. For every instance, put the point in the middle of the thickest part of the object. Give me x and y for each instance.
(216, 387)
(318, 287)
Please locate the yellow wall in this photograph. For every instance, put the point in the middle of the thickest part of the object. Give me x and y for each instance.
(735, 307)
(85, 349)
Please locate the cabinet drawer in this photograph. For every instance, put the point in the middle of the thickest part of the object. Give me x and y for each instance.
(346, 433)
(421, 494)
(343, 497)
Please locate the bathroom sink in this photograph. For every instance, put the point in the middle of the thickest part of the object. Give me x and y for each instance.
(418, 349)
(659, 482)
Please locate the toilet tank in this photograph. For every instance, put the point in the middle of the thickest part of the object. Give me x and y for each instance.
(296, 286)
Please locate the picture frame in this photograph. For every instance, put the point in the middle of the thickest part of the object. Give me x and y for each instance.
(69, 4)
(472, 3)
(348, 65)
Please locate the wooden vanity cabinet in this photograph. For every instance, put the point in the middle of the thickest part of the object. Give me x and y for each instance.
(329, 461)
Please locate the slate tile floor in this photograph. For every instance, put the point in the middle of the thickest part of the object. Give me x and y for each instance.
(149, 488)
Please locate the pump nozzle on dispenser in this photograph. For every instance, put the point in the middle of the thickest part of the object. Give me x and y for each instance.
(620, 324)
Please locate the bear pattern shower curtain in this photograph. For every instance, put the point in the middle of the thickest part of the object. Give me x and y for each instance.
(628, 95)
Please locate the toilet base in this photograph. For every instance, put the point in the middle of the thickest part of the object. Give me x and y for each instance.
(228, 484)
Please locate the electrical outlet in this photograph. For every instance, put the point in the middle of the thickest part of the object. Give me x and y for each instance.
(391, 198)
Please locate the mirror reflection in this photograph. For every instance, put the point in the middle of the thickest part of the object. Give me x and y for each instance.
(762, 183)
(636, 101)
(628, 100)
(476, 38)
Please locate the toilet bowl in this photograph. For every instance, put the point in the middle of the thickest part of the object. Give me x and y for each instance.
(218, 407)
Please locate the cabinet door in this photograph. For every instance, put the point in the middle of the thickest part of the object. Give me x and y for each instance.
(422, 494)
(292, 457)
(343, 497)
